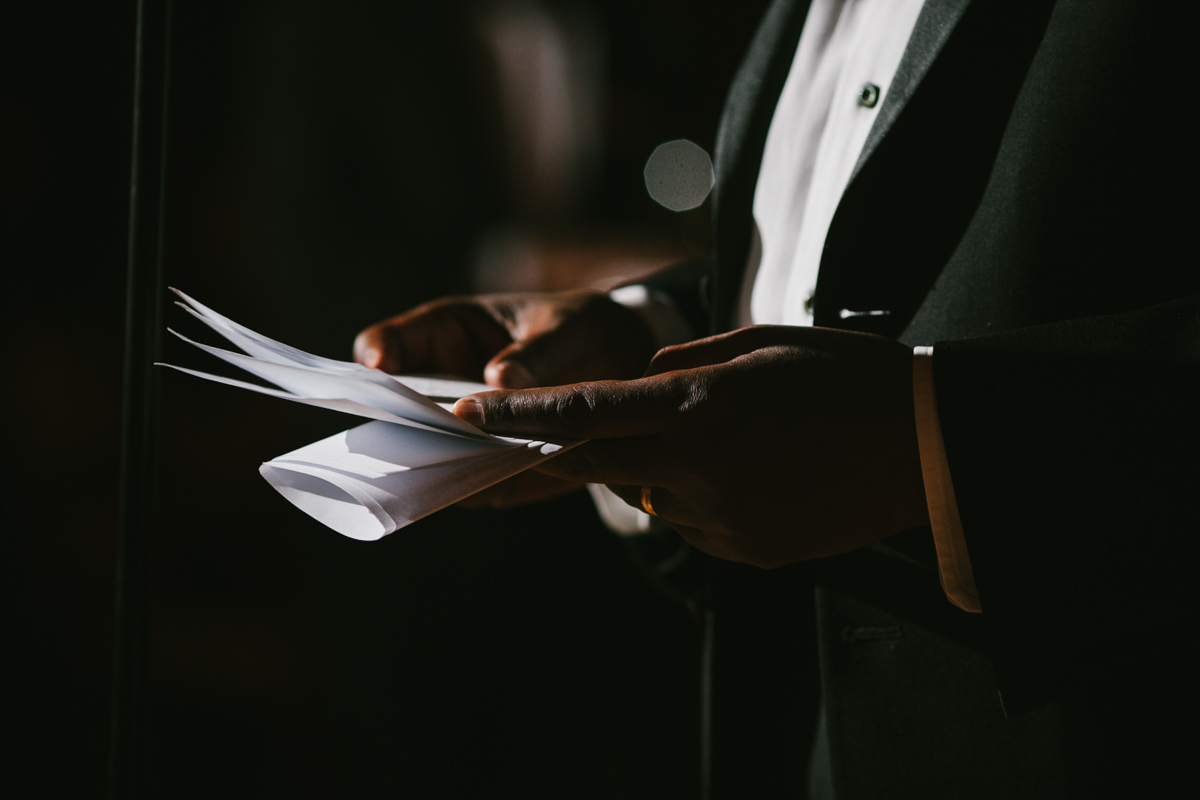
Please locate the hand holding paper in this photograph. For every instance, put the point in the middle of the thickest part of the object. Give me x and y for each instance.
(765, 445)
(514, 341)
(413, 459)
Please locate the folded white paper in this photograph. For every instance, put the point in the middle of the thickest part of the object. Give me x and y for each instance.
(413, 459)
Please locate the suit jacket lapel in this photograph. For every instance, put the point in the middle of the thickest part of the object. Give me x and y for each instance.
(747, 117)
(934, 25)
(927, 161)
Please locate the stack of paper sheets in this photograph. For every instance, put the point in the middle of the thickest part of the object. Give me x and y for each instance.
(414, 458)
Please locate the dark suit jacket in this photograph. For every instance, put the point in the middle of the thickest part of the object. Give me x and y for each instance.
(1023, 204)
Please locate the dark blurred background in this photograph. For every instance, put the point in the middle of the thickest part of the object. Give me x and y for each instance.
(331, 164)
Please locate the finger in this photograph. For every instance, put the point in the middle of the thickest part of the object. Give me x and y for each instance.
(599, 410)
(667, 507)
(715, 349)
(631, 495)
(685, 522)
(369, 348)
(509, 368)
(453, 337)
(711, 350)
(543, 360)
(638, 461)
(599, 340)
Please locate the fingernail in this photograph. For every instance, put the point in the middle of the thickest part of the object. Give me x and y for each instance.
(512, 375)
(371, 357)
(470, 411)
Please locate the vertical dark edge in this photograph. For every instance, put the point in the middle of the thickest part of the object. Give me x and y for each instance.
(139, 410)
(706, 685)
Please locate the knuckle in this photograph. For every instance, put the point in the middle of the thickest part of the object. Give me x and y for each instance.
(500, 408)
(574, 407)
(691, 390)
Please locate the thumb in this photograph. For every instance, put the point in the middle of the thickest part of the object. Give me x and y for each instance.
(511, 368)
(543, 359)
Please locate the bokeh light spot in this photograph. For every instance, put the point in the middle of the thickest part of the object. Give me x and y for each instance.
(679, 175)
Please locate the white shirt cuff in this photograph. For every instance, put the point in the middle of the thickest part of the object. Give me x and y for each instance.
(954, 562)
(618, 516)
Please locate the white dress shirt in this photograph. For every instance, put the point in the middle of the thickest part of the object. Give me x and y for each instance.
(844, 63)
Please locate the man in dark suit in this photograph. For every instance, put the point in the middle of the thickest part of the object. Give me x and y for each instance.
(1017, 205)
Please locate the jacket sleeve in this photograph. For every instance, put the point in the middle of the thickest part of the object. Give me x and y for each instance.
(1073, 448)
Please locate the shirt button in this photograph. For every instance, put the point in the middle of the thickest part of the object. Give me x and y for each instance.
(868, 95)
